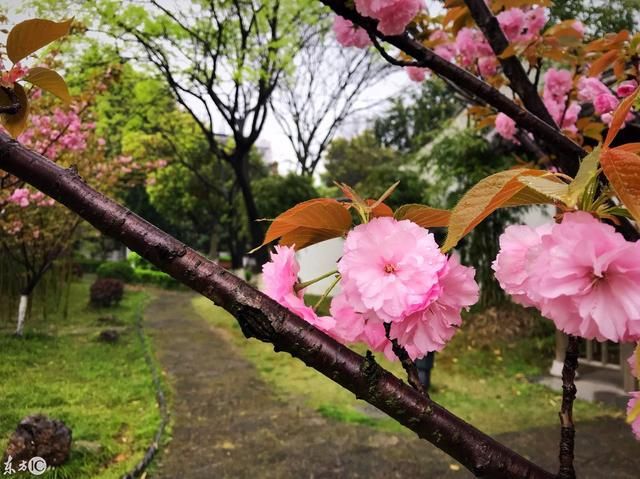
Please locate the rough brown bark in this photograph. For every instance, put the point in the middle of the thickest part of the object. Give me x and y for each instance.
(262, 318)
(567, 428)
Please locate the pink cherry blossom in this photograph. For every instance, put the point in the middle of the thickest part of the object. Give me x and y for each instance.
(565, 117)
(443, 46)
(393, 15)
(557, 84)
(471, 44)
(589, 88)
(626, 88)
(20, 197)
(633, 401)
(416, 74)
(512, 22)
(534, 20)
(582, 275)
(431, 328)
(390, 269)
(505, 127)
(605, 103)
(487, 66)
(349, 35)
(280, 276)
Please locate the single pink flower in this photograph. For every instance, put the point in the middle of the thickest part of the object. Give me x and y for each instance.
(20, 197)
(443, 46)
(487, 66)
(635, 425)
(505, 127)
(512, 22)
(390, 269)
(534, 21)
(393, 15)
(605, 103)
(589, 88)
(557, 84)
(433, 327)
(350, 35)
(626, 88)
(280, 276)
(416, 74)
(471, 44)
(585, 277)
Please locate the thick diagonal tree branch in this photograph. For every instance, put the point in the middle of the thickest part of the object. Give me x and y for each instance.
(513, 69)
(570, 152)
(262, 318)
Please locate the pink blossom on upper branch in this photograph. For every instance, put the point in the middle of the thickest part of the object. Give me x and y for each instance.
(390, 269)
(416, 74)
(582, 275)
(280, 276)
(557, 84)
(349, 35)
(589, 88)
(626, 88)
(512, 22)
(487, 66)
(505, 126)
(442, 45)
(433, 327)
(393, 15)
(605, 103)
(20, 197)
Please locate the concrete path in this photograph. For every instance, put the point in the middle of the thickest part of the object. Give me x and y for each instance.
(228, 424)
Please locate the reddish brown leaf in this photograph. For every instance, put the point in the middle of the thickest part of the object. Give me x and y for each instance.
(602, 63)
(380, 209)
(622, 168)
(619, 117)
(310, 222)
(424, 216)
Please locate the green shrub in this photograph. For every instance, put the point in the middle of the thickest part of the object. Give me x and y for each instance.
(106, 292)
(87, 265)
(116, 269)
(138, 262)
(157, 278)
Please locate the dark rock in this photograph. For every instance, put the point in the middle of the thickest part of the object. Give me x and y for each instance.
(40, 436)
(109, 336)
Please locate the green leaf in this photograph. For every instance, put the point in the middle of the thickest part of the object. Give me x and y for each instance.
(31, 35)
(15, 124)
(548, 186)
(49, 81)
(587, 171)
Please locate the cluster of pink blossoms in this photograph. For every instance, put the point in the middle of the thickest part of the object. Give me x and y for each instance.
(23, 198)
(580, 273)
(604, 100)
(392, 272)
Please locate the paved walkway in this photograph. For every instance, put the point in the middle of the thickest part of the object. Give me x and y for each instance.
(228, 424)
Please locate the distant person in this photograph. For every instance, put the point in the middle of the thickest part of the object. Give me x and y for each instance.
(425, 365)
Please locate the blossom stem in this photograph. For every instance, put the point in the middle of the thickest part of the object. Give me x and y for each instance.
(408, 365)
(301, 286)
(326, 293)
(567, 430)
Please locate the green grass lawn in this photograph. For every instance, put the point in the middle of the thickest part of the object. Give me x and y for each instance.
(103, 392)
(488, 387)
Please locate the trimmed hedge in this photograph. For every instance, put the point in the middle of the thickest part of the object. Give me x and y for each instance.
(116, 269)
(158, 278)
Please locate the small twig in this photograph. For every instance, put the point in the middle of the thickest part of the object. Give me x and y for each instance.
(567, 430)
(408, 365)
(15, 106)
(386, 56)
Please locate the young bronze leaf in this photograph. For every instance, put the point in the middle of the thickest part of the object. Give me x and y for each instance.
(424, 216)
(49, 81)
(483, 199)
(16, 123)
(622, 168)
(31, 35)
(527, 196)
(310, 222)
(619, 117)
(547, 186)
(379, 209)
(602, 63)
(588, 169)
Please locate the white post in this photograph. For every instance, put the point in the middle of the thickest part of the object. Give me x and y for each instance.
(22, 313)
(561, 348)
